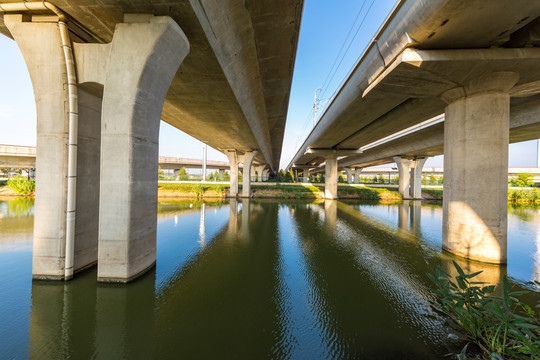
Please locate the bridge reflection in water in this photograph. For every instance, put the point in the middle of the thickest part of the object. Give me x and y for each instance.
(258, 279)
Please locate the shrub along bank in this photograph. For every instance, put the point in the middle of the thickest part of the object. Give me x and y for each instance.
(514, 195)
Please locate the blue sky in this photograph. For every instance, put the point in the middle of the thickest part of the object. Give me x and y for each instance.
(327, 28)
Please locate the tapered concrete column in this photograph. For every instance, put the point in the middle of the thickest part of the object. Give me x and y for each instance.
(259, 169)
(349, 172)
(233, 162)
(357, 173)
(40, 44)
(476, 131)
(415, 191)
(221, 173)
(246, 159)
(145, 54)
(305, 175)
(253, 174)
(265, 173)
(404, 166)
(330, 178)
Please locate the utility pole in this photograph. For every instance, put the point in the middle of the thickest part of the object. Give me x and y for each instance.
(204, 163)
(315, 106)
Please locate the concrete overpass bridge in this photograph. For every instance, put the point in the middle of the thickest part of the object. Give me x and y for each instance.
(104, 74)
(474, 61)
(24, 157)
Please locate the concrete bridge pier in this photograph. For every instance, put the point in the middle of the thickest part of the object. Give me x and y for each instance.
(221, 173)
(265, 174)
(259, 170)
(233, 162)
(353, 175)
(40, 42)
(410, 176)
(415, 190)
(476, 134)
(247, 159)
(133, 98)
(331, 177)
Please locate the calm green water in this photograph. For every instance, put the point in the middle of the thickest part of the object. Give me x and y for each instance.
(252, 280)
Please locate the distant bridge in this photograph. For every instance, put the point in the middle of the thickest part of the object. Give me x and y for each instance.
(24, 157)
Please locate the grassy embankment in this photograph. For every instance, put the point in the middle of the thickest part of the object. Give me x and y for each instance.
(514, 195)
(275, 191)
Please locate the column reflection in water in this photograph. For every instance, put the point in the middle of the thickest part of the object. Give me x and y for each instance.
(330, 214)
(246, 214)
(125, 318)
(232, 229)
(403, 215)
(62, 319)
(202, 226)
(83, 320)
(409, 215)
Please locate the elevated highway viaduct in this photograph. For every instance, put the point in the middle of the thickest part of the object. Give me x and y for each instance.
(471, 60)
(104, 74)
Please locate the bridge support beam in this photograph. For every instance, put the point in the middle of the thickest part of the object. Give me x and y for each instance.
(41, 45)
(133, 98)
(331, 178)
(476, 134)
(246, 159)
(265, 174)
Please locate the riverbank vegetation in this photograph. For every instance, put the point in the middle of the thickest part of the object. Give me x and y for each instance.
(491, 326)
(21, 185)
(277, 191)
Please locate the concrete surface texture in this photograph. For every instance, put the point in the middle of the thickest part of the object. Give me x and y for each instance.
(476, 136)
(40, 45)
(133, 97)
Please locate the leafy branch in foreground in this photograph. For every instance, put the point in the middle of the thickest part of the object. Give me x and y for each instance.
(502, 327)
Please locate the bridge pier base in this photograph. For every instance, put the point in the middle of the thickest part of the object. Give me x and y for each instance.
(331, 178)
(476, 134)
(265, 173)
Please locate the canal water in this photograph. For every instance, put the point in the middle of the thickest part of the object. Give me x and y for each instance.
(253, 280)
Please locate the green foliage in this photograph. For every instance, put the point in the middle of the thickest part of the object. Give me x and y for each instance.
(437, 194)
(182, 174)
(22, 185)
(23, 206)
(198, 189)
(341, 179)
(522, 180)
(366, 193)
(524, 195)
(500, 326)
